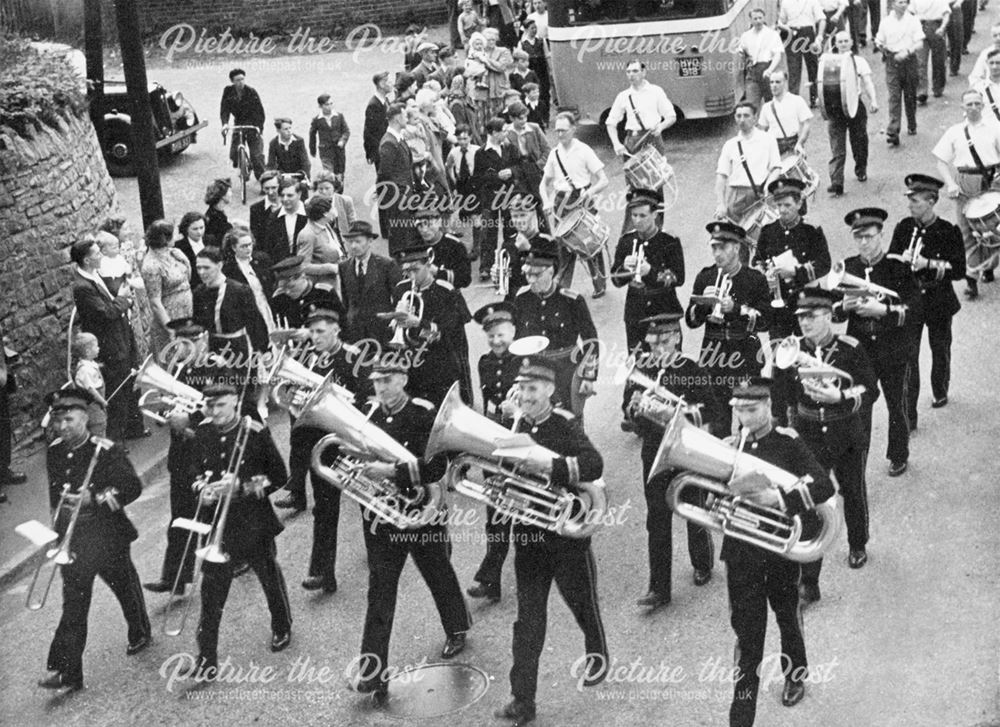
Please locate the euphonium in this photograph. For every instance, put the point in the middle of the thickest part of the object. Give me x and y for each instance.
(527, 498)
(289, 380)
(656, 392)
(412, 304)
(165, 395)
(709, 464)
(840, 279)
(789, 354)
(361, 441)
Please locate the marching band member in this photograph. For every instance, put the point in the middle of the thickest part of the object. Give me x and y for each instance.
(756, 577)
(251, 525)
(437, 337)
(732, 301)
(830, 418)
(407, 420)
(746, 162)
(664, 363)
(839, 128)
(541, 556)
(527, 226)
(101, 539)
(787, 116)
(881, 326)
(809, 260)
(934, 249)
(498, 369)
(546, 308)
(296, 295)
(451, 263)
(646, 110)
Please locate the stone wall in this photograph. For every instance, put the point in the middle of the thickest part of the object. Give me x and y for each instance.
(54, 188)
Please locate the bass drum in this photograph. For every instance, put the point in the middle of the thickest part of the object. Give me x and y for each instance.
(839, 92)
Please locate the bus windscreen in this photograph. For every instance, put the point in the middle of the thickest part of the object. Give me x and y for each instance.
(581, 12)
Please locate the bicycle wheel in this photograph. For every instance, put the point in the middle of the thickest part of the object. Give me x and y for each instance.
(244, 164)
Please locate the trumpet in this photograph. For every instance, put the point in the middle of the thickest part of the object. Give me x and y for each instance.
(656, 396)
(527, 498)
(913, 251)
(502, 266)
(40, 535)
(723, 284)
(165, 396)
(292, 385)
(789, 354)
(852, 285)
(774, 283)
(708, 464)
(410, 304)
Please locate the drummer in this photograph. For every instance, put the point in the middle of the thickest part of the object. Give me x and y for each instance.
(647, 112)
(839, 127)
(968, 155)
(787, 116)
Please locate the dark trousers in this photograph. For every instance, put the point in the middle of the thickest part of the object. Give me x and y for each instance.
(939, 336)
(719, 360)
(752, 584)
(326, 500)
(892, 378)
(113, 563)
(934, 46)
(570, 563)
(256, 146)
(218, 577)
(799, 50)
(5, 432)
(183, 503)
(956, 42)
(901, 79)
(596, 266)
(387, 551)
(497, 546)
(783, 325)
(758, 89)
(874, 13)
(840, 128)
(660, 525)
(969, 8)
(124, 417)
(333, 159)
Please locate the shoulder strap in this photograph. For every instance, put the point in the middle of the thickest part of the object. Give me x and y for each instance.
(774, 113)
(746, 168)
(562, 168)
(993, 104)
(972, 150)
(635, 112)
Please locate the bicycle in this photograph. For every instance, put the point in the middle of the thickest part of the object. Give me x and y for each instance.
(242, 155)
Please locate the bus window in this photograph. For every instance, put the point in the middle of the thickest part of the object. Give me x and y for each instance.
(582, 12)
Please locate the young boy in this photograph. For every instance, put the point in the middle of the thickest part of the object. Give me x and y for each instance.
(328, 134)
(88, 376)
(469, 22)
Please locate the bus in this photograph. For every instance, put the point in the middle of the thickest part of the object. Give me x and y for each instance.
(690, 48)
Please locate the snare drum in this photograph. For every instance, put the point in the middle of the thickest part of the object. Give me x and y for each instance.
(583, 233)
(647, 169)
(760, 213)
(795, 167)
(983, 213)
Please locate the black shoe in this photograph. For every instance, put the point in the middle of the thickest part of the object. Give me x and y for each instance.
(808, 593)
(653, 600)
(595, 669)
(13, 478)
(938, 94)
(911, 132)
(897, 468)
(921, 99)
(315, 583)
(3, 497)
(988, 276)
(971, 290)
(599, 293)
(489, 591)
(792, 693)
(56, 680)
(162, 586)
(892, 140)
(240, 569)
(280, 641)
(518, 711)
(913, 427)
(862, 176)
(938, 403)
(371, 686)
(291, 502)
(702, 576)
(835, 189)
(141, 645)
(453, 646)
(857, 559)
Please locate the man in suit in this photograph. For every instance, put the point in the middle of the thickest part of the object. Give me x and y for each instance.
(497, 174)
(394, 180)
(367, 281)
(287, 151)
(264, 210)
(243, 103)
(282, 232)
(375, 119)
(328, 135)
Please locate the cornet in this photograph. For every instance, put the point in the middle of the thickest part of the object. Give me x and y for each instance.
(655, 397)
(165, 396)
(502, 278)
(852, 285)
(410, 304)
(789, 354)
(723, 284)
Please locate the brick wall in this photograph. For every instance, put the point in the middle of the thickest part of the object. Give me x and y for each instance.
(54, 188)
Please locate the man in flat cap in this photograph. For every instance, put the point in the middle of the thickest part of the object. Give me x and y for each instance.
(933, 248)
(733, 302)
(882, 322)
(829, 414)
(663, 362)
(94, 475)
(754, 576)
(366, 283)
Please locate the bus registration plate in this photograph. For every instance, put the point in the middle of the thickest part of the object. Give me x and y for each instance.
(692, 67)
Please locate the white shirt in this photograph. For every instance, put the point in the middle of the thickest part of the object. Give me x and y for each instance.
(196, 245)
(650, 104)
(952, 148)
(762, 47)
(454, 160)
(832, 6)
(290, 222)
(581, 164)
(900, 34)
(761, 151)
(981, 70)
(541, 22)
(791, 111)
(930, 9)
(991, 111)
(800, 13)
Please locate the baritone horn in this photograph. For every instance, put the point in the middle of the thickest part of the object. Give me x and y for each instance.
(164, 395)
(789, 354)
(655, 393)
(527, 498)
(291, 382)
(708, 464)
(851, 285)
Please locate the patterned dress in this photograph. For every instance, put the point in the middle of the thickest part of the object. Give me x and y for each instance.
(167, 275)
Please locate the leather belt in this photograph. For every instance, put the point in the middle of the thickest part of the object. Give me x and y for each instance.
(823, 415)
(720, 333)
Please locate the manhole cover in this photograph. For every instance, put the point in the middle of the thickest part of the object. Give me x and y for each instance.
(435, 690)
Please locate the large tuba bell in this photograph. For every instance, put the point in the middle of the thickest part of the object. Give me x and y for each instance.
(164, 395)
(789, 354)
(288, 380)
(710, 464)
(359, 441)
(527, 498)
(657, 394)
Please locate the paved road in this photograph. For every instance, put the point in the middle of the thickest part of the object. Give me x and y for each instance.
(908, 640)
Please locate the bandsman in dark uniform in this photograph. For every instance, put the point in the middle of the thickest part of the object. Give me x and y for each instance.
(663, 362)
(498, 369)
(526, 226)
(789, 274)
(731, 348)
(251, 525)
(296, 295)
(435, 340)
(541, 556)
(545, 308)
(451, 262)
(408, 421)
(934, 249)
(830, 415)
(756, 577)
(101, 540)
(883, 327)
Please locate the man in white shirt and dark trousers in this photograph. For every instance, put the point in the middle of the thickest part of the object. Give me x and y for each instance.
(899, 37)
(989, 87)
(787, 116)
(806, 24)
(646, 110)
(762, 49)
(933, 16)
(839, 126)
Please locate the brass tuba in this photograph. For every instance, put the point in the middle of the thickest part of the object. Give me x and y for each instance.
(359, 441)
(789, 354)
(164, 395)
(709, 464)
(527, 498)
